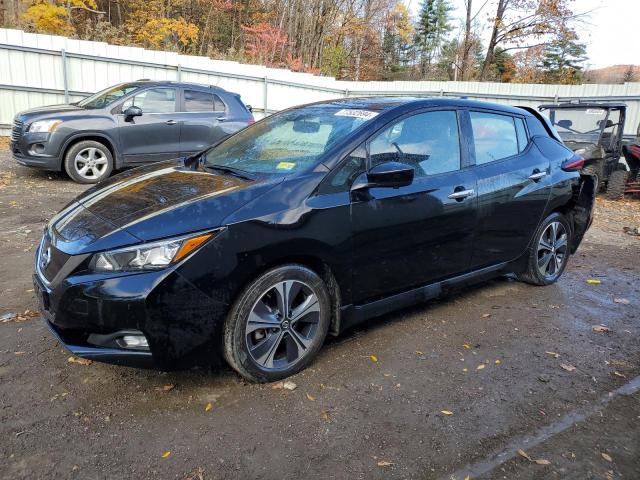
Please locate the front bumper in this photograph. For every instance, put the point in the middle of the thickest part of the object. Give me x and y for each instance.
(181, 324)
(38, 150)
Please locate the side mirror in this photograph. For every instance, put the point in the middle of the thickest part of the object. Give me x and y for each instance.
(387, 175)
(132, 111)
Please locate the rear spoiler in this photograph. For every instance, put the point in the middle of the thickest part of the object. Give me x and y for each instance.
(544, 120)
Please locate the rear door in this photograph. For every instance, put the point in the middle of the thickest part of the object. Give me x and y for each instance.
(156, 134)
(410, 236)
(513, 186)
(203, 115)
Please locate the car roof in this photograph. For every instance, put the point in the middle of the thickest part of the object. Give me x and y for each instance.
(171, 83)
(381, 104)
(579, 105)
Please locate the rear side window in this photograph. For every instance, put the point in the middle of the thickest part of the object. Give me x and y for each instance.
(522, 134)
(429, 142)
(494, 136)
(197, 101)
(552, 149)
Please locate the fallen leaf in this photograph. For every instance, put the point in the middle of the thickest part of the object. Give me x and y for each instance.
(165, 388)
(618, 374)
(466, 345)
(326, 415)
(553, 354)
(542, 461)
(601, 329)
(208, 407)
(385, 463)
(480, 367)
(446, 412)
(288, 385)
(522, 453)
(166, 454)
(567, 367)
(278, 386)
(467, 477)
(498, 362)
(373, 358)
(80, 361)
(486, 315)
(623, 301)
(418, 352)
(465, 369)
(607, 457)
(310, 397)
(593, 281)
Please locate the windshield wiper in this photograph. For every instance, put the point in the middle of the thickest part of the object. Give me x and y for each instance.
(230, 170)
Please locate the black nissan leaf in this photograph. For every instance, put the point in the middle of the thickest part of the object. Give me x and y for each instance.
(305, 224)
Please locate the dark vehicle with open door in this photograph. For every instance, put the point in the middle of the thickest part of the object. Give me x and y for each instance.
(594, 131)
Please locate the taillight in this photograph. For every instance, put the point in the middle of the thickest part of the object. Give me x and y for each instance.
(251, 120)
(573, 164)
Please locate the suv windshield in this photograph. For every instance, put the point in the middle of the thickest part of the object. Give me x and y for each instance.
(289, 141)
(107, 96)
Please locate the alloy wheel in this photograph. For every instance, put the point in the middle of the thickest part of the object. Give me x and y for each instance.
(552, 250)
(90, 163)
(282, 325)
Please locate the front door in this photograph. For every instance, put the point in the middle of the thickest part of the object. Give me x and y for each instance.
(410, 236)
(513, 187)
(156, 134)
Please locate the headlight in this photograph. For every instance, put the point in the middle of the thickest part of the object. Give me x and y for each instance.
(149, 256)
(44, 126)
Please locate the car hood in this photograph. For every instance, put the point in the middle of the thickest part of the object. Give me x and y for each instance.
(159, 201)
(50, 111)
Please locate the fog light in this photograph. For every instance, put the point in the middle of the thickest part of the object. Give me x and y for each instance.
(135, 341)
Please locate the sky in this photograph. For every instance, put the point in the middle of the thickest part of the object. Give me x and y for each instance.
(608, 32)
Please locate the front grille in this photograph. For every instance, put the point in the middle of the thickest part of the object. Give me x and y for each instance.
(16, 131)
(50, 259)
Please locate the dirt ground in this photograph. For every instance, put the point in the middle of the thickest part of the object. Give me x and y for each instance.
(450, 389)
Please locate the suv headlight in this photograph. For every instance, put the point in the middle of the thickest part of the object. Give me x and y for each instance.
(44, 126)
(149, 256)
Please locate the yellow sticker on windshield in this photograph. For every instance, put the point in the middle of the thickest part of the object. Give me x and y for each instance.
(285, 166)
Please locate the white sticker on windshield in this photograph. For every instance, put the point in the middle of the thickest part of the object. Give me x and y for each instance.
(352, 112)
(595, 111)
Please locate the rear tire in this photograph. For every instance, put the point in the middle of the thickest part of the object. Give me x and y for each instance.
(88, 162)
(616, 184)
(278, 324)
(594, 171)
(548, 253)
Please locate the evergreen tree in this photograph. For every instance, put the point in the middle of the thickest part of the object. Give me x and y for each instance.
(432, 28)
(562, 59)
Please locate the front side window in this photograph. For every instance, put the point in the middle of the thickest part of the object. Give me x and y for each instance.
(289, 141)
(429, 142)
(154, 100)
(196, 101)
(494, 136)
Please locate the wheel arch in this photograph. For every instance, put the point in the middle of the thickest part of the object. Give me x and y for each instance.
(96, 137)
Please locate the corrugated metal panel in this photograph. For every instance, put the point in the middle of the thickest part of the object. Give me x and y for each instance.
(34, 77)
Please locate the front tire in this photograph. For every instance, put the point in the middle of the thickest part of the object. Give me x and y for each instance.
(278, 324)
(88, 162)
(548, 253)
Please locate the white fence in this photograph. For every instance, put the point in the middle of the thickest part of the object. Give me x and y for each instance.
(38, 70)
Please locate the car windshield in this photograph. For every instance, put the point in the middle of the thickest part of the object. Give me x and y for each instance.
(107, 96)
(289, 141)
(582, 122)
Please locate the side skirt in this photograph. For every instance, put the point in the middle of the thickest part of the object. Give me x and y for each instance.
(351, 315)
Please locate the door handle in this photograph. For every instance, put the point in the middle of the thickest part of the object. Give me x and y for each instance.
(221, 119)
(535, 176)
(170, 122)
(461, 194)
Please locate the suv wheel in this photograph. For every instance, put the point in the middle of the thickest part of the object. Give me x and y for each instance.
(548, 252)
(88, 162)
(278, 324)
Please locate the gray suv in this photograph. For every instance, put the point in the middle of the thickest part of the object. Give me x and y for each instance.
(126, 125)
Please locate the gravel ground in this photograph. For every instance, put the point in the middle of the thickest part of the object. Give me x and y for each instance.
(449, 389)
